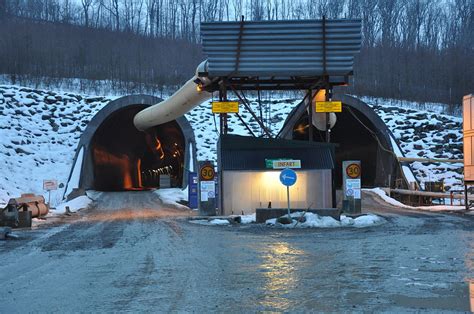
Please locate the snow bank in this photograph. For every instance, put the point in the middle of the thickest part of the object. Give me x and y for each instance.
(81, 202)
(219, 222)
(396, 203)
(247, 219)
(316, 221)
(172, 197)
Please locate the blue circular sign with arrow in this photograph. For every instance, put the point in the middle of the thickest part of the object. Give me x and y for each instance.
(288, 177)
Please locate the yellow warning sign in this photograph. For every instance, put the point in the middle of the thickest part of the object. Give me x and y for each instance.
(328, 106)
(225, 107)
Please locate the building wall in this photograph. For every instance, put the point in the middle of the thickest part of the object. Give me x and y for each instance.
(247, 190)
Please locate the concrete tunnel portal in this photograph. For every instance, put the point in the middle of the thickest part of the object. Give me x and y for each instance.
(113, 155)
(359, 134)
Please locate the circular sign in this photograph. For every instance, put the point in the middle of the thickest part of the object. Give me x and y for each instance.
(207, 173)
(353, 171)
(349, 192)
(288, 177)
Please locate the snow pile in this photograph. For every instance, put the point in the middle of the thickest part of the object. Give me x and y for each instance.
(244, 220)
(219, 222)
(381, 193)
(316, 221)
(247, 219)
(172, 197)
(81, 202)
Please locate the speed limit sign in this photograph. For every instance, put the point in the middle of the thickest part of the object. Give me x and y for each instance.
(207, 173)
(353, 170)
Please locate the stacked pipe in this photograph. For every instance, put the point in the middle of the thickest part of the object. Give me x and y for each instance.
(31, 202)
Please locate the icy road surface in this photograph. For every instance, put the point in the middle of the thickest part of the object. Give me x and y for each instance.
(151, 259)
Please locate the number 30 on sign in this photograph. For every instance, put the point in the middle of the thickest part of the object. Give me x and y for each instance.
(207, 173)
(353, 171)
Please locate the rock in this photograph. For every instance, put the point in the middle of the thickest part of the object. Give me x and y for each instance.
(418, 147)
(19, 150)
(50, 100)
(284, 220)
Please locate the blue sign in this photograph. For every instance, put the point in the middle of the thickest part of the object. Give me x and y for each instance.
(288, 177)
(193, 190)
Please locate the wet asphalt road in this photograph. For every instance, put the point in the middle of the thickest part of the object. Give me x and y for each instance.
(152, 259)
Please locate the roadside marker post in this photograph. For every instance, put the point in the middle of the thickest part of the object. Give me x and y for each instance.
(288, 178)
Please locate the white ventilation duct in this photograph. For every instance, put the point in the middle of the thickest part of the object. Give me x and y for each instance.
(181, 102)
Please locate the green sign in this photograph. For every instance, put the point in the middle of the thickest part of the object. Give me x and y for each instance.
(269, 162)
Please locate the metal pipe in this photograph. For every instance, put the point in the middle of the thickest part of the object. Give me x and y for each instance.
(442, 160)
(430, 194)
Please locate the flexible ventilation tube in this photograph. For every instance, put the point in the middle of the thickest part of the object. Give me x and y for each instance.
(181, 102)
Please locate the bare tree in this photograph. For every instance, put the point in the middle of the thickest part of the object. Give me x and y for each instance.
(86, 4)
(3, 8)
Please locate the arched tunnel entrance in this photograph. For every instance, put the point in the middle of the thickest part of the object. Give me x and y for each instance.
(359, 134)
(114, 156)
(127, 159)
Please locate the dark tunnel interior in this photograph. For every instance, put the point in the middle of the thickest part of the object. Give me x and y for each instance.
(127, 159)
(354, 142)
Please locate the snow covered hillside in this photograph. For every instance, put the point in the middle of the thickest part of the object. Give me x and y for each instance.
(40, 130)
(426, 134)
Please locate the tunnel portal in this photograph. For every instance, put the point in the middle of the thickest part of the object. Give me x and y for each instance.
(359, 135)
(354, 143)
(127, 159)
(113, 155)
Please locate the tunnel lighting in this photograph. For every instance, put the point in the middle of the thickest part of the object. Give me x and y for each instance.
(159, 148)
(301, 128)
(321, 95)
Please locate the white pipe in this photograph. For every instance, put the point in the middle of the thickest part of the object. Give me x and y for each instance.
(181, 102)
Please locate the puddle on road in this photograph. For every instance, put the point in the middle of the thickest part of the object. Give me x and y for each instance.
(455, 298)
(281, 278)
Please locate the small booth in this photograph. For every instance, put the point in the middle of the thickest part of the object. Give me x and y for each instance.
(248, 181)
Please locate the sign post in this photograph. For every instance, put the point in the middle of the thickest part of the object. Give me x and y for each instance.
(288, 178)
(207, 188)
(50, 185)
(351, 174)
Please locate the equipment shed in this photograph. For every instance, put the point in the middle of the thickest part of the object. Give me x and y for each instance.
(248, 182)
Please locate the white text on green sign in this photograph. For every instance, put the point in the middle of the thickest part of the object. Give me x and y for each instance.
(225, 107)
(282, 164)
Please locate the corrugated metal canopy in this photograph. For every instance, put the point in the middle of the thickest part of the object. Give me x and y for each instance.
(249, 153)
(281, 48)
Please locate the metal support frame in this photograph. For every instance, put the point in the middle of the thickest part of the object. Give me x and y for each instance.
(246, 104)
(223, 116)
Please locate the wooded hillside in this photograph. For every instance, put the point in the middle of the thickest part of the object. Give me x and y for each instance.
(412, 49)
